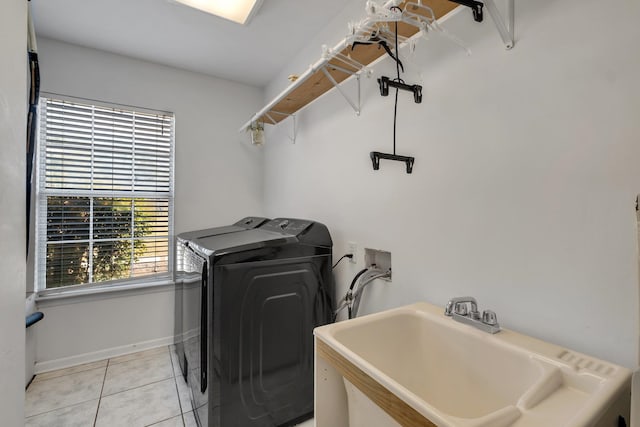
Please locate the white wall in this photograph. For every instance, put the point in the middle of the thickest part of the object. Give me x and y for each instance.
(218, 180)
(13, 123)
(526, 173)
(83, 329)
(218, 174)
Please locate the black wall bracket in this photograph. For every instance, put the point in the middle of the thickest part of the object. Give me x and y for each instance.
(376, 156)
(386, 82)
(476, 8)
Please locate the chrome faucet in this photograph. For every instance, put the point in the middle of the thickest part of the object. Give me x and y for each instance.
(465, 310)
(452, 306)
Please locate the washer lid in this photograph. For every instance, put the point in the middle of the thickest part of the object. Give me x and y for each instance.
(239, 242)
(246, 223)
(308, 232)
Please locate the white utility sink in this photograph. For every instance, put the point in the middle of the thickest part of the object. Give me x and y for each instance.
(455, 375)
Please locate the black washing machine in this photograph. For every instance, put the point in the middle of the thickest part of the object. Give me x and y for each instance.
(187, 281)
(249, 360)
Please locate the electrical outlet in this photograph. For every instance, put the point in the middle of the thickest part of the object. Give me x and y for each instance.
(352, 248)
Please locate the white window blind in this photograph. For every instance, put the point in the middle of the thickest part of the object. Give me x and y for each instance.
(105, 193)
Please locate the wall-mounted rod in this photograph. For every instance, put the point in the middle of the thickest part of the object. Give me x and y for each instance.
(506, 31)
(310, 71)
(511, 18)
(303, 77)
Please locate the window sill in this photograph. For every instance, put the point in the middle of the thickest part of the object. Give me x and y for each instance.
(65, 296)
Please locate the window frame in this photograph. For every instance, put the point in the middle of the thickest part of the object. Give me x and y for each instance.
(42, 193)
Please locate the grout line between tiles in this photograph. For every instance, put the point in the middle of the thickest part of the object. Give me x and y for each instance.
(171, 375)
(106, 367)
(104, 380)
(175, 382)
(166, 419)
(57, 409)
(66, 406)
(139, 386)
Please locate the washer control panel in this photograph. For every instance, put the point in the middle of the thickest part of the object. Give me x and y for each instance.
(288, 225)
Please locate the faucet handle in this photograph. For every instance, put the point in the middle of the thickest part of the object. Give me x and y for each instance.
(455, 302)
(489, 318)
(448, 310)
(460, 308)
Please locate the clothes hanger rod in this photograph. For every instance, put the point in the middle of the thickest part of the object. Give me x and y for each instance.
(317, 66)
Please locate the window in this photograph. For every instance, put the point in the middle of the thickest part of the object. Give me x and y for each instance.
(105, 193)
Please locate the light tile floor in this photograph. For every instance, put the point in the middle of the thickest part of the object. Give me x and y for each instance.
(136, 390)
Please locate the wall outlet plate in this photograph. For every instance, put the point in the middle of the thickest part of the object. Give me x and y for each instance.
(352, 248)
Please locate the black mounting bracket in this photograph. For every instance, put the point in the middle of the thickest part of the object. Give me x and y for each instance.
(376, 156)
(386, 82)
(476, 8)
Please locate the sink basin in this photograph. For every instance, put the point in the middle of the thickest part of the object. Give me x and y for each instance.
(451, 374)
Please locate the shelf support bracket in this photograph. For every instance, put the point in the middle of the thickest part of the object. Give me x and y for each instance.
(268, 116)
(293, 136)
(333, 81)
(506, 30)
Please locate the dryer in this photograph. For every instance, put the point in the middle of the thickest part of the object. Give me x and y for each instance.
(261, 293)
(187, 281)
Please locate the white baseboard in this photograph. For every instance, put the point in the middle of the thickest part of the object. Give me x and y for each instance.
(65, 362)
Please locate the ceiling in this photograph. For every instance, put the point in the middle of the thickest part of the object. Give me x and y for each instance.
(169, 33)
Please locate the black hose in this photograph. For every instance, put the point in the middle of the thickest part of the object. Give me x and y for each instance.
(355, 279)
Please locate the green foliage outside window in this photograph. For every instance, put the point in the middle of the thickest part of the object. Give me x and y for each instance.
(115, 230)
